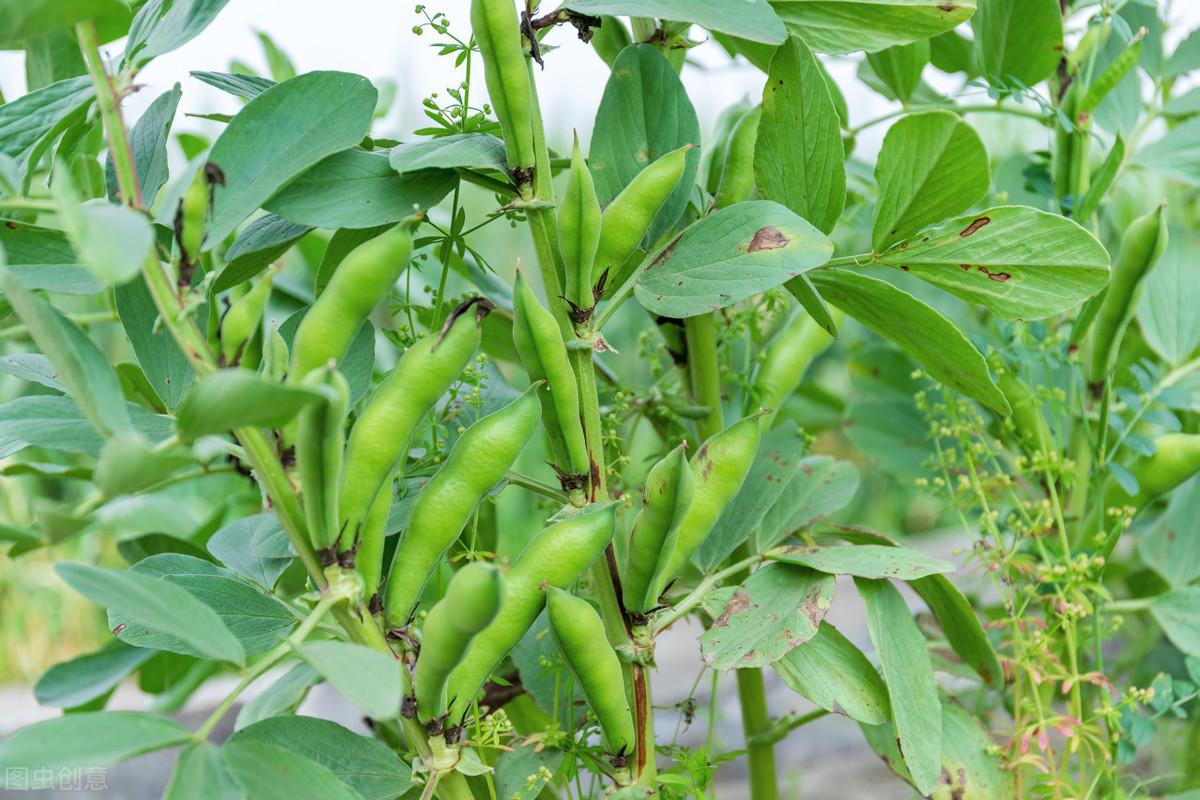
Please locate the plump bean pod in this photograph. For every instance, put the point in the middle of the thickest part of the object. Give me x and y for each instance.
(469, 605)
(360, 282)
(737, 178)
(1176, 458)
(719, 468)
(610, 39)
(1028, 423)
(715, 151)
(789, 354)
(368, 559)
(1141, 247)
(244, 318)
(666, 496)
(275, 356)
(498, 34)
(478, 461)
(625, 221)
(579, 633)
(320, 439)
(579, 234)
(558, 556)
(539, 342)
(380, 437)
(191, 218)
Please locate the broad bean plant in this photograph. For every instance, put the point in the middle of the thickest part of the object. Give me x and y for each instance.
(289, 410)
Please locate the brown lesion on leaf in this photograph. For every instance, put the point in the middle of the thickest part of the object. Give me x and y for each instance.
(737, 604)
(975, 226)
(768, 238)
(998, 277)
(666, 254)
(949, 8)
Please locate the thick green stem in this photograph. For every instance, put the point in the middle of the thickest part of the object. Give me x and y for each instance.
(756, 720)
(704, 372)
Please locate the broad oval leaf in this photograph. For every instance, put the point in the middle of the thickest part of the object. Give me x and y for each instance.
(1171, 548)
(1176, 155)
(844, 26)
(84, 678)
(468, 150)
(644, 113)
(900, 67)
(25, 122)
(359, 189)
(269, 772)
(728, 256)
(200, 774)
(158, 605)
(820, 486)
(161, 26)
(908, 674)
(1178, 614)
(368, 678)
(749, 19)
(1167, 311)
(31, 757)
(24, 19)
(777, 609)
(799, 159)
(1018, 261)
(830, 671)
(230, 398)
(148, 140)
(866, 561)
(164, 364)
(281, 133)
(932, 165)
(57, 423)
(255, 547)
(928, 337)
(258, 245)
(1018, 39)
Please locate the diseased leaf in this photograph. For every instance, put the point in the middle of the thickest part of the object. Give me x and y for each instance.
(830, 671)
(820, 486)
(777, 609)
(920, 331)
(728, 256)
(798, 156)
(866, 561)
(844, 26)
(932, 165)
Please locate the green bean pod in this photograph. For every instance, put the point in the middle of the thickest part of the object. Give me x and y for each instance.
(244, 318)
(539, 342)
(625, 221)
(478, 461)
(469, 605)
(320, 438)
(275, 356)
(579, 633)
(666, 496)
(1028, 423)
(1141, 247)
(191, 218)
(380, 437)
(558, 556)
(610, 39)
(737, 178)
(719, 468)
(368, 559)
(498, 35)
(579, 233)
(788, 356)
(360, 282)
(1176, 458)
(716, 150)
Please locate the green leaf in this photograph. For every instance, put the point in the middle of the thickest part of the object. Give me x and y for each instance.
(1018, 40)
(900, 67)
(161, 26)
(359, 189)
(730, 255)
(42, 258)
(268, 772)
(281, 698)
(57, 423)
(798, 156)
(1167, 309)
(26, 121)
(280, 134)
(777, 609)
(129, 463)
(232, 398)
(259, 622)
(831, 672)
(340, 245)
(960, 626)
(148, 141)
(1018, 261)
(844, 26)
(164, 364)
(158, 605)
(820, 486)
(31, 757)
(113, 241)
(82, 368)
(247, 87)
(459, 150)
(1176, 155)
(1186, 57)
(749, 19)
(867, 561)
(255, 547)
(358, 363)
(644, 113)
(924, 334)
(367, 766)
(257, 246)
(522, 771)
(908, 673)
(84, 678)
(24, 19)
(932, 165)
(200, 774)
(367, 678)
(32, 367)
(51, 57)
(1178, 614)
(1170, 547)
